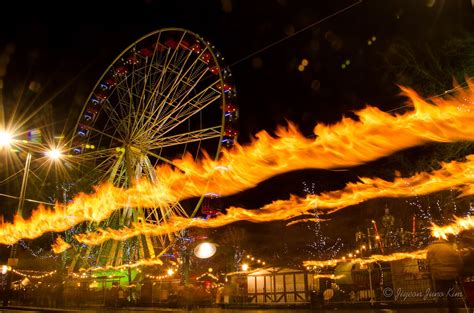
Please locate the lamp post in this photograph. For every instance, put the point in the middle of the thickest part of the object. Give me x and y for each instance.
(203, 250)
(21, 200)
(5, 141)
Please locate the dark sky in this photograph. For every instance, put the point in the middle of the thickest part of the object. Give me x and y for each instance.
(71, 44)
(271, 90)
(55, 46)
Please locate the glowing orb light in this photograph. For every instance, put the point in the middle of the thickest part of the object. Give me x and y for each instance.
(54, 154)
(5, 139)
(205, 250)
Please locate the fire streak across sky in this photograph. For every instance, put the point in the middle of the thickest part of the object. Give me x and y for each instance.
(459, 225)
(453, 175)
(347, 143)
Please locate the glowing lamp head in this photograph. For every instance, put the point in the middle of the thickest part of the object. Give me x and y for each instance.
(5, 269)
(205, 250)
(170, 272)
(5, 139)
(54, 154)
(245, 267)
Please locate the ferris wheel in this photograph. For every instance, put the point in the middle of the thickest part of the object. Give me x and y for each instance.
(165, 95)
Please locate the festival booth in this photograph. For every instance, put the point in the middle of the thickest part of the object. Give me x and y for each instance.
(278, 285)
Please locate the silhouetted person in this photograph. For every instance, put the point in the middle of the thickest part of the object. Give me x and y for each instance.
(445, 263)
(120, 297)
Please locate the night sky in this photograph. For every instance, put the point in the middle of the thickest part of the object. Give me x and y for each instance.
(67, 50)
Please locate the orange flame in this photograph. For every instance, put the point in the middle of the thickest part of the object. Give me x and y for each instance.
(451, 175)
(458, 226)
(277, 210)
(419, 254)
(60, 245)
(347, 143)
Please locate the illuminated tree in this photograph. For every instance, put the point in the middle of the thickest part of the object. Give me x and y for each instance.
(322, 246)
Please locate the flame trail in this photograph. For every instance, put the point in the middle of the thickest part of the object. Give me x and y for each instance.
(277, 210)
(451, 175)
(419, 254)
(347, 143)
(60, 245)
(458, 226)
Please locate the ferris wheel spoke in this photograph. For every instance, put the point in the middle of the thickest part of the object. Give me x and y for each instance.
(99, 168)
(129, 100)
(187, 83)
(161, 158)
(105, 134)
(151, 123)
(192, 107)
(184, 80)
(193, 136)
(92, 155)
(181, 210)
(164, 71)
(155, 91)
(173, 65)
(114, 117)
(179, 80)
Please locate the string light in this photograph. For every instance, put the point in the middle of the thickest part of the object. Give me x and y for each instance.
(207, 275)
(419, 254)
(33, 276)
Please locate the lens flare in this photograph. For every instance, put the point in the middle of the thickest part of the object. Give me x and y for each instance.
(347, 143)
(458, 226)
(5, 139)
(54, 154)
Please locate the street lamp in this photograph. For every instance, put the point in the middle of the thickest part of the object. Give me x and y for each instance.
(205, 250)
(5, 138)
(54, 154)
